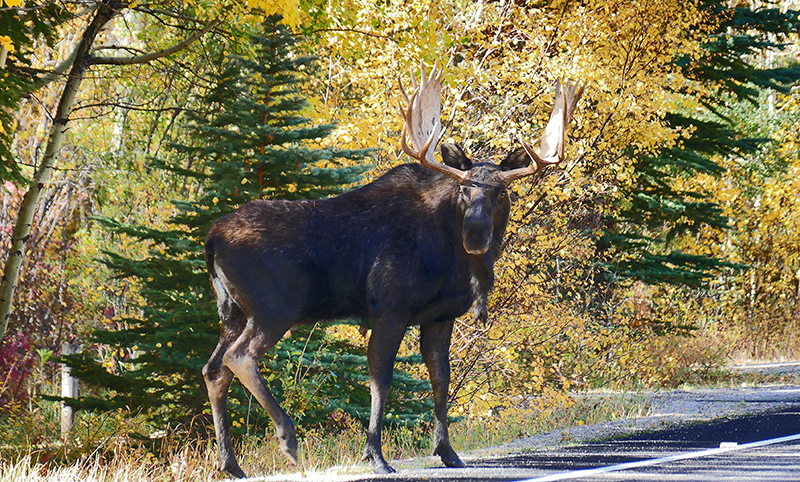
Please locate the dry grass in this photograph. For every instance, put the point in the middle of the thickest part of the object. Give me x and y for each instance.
(119, 459)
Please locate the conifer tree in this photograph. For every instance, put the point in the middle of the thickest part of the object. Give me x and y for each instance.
(248, 141)
(637, 241)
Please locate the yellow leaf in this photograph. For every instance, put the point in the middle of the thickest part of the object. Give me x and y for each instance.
(5, 41)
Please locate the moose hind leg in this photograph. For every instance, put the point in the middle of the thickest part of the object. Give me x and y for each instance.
(218, 379)
(243, 359)
(435, 347)
(381, 352)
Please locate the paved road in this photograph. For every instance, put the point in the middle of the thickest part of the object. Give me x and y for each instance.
(690, 453)
(761, 447)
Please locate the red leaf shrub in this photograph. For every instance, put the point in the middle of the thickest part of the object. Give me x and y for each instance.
(16, 365)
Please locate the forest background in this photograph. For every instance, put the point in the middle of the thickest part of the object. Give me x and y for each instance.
(664, 248)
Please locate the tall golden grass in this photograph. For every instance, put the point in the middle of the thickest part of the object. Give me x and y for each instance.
(111, 456)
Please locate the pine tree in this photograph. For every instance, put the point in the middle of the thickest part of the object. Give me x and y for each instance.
(249, 142)
(637, 241)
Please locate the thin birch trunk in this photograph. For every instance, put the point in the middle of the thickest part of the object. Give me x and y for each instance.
(22, 229)
(83, 59)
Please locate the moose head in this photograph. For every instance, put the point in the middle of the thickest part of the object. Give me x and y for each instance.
(482, 186)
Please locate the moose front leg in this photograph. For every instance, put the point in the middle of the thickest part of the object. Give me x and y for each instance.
(434, 341)
(381, 353)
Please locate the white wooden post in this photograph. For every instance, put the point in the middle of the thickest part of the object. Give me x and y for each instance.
(69, 389)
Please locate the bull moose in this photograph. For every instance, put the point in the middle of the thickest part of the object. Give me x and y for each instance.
(415, 247)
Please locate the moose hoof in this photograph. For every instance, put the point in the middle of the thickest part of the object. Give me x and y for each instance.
(234, 470)
(287, 437)
(289, 447)
(290, 454)
(453, 461)
(450, 458)
(381, 467)
(377, 463)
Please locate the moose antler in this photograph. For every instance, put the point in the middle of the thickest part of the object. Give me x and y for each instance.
(551, 146)
(422, 122)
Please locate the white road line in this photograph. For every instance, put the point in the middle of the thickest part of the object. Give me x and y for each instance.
(576, 474)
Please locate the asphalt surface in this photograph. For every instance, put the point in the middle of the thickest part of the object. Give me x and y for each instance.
(617, 459)
(745, 434)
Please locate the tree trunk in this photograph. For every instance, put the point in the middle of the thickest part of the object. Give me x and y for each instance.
(22, 229)
(83, 59)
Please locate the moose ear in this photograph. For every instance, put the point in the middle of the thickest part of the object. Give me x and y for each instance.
(516, 159)
(453, 156)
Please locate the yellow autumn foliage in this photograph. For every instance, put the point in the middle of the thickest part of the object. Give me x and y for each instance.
(503, 60)
(289, 9)
(756, 312)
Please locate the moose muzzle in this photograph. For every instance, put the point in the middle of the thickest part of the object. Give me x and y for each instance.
(477, 232)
